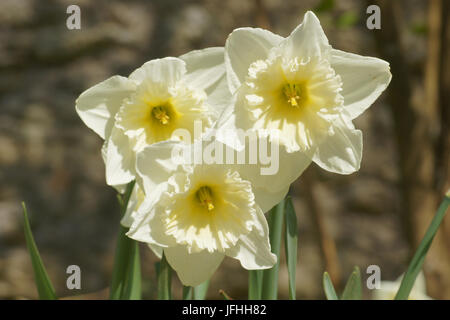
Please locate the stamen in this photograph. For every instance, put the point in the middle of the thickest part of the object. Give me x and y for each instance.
(295, 94)
(160, 114)
(204, 196)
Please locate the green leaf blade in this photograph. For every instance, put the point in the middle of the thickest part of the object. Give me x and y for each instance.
(328, 287)
(164, 280)
(353, 288)
(255, 278)
(43, 283)
(291, 242)
(419, 257)
(270, 276)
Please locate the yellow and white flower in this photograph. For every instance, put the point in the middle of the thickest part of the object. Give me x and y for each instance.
(304, 88)
(147, 107)
(389, 289)
(198, 214)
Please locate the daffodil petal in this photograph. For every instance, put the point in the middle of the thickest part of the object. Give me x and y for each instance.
(206, 71)
(157, 250)
(342, 152)
(136, 198)
(120, 159)
(167, 70)
(227, 125)
(420, 285)
(267, 198)
(219, 98)
(127, 219)
(204, 68)
(364, 79)
(307, 40)
(387, 291)
(243, 47)
(148, 225)
(155, 164)
(253, 250)
(285, 166)
(193, 268)
(97, 105)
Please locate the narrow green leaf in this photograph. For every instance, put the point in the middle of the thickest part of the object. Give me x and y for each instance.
(164, 280)
(132, 289)
(43, 283)
(328, 287)
(201, 290)
(417, 261)
(157, 268)
(187, 293)
(270, 276)
(353, 288)
(124, 252)
(291, 237)
(255, 278)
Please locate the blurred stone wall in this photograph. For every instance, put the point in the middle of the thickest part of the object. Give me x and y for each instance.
(49, 159)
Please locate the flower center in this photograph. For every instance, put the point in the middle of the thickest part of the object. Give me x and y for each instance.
(204, 196)
(296, 94)
(161, 114)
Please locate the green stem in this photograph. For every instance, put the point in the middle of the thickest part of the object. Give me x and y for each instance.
(290, 245)
(123, 248)
(417, 261)
(132, 289)
(270, 276)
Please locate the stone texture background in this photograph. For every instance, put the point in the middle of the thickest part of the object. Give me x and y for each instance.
(49, 159)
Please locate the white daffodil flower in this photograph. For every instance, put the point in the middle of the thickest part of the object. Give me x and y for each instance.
(304, 88)
(389, 289)
(147, 107)
(198, 214)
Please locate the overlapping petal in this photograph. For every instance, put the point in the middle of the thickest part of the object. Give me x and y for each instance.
(204, 68)
(363, 78)
(148, 225)
(243, 47)
(253, 250)
(97, 105)
(341, 152)
(120, 159)
(307, 40)
(193, 268)
(166, 70)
